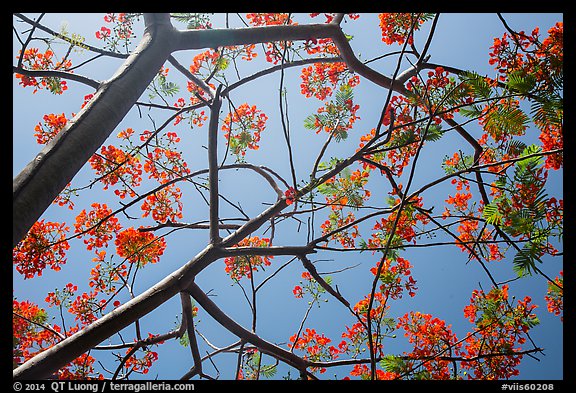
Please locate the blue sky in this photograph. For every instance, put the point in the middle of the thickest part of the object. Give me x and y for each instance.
(445, 281)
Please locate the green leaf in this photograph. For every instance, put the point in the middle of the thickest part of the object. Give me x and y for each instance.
(531, 321)
(434, 133)
(222, 63)
(492, 214)
(515, 147)
(170, 88)
(477, 84)
(471, 111)
(310, 122)
(393, 364)
(268, 371)
(525, 260)
(548, 110)
(192, 20)
(344, 94)
(521, 82)
(507, 119)
(184, 340)
(390, 201)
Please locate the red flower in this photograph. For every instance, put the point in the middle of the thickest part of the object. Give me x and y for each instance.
(290, 195)
(139, 247)
(243, 266)
(298, 292)
(103, 33)
(43, 246)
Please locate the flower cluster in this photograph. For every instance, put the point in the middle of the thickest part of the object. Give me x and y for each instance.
(320, 79)
(404, 226)
(61, 298)
(86, 308)
(500, 329)
(140, 365)
(460, 200)
(32, 334)
(290, 195)
(33, 59)
(555, 296)
(44, 245)
(163, 161)
(347, 189)
(395, 277)
(114, 165)
(308, 285)
(430, 337)
(402, 140)
(316, 347)
(356, 336)
(396, 27)
(337, 219)
(274, 50)
(243, 266)
(25, 332)
(120, 34)
(205, 62)
(98, 224)
(139, 247)
(242, 129)
(524, 55)
(197, 118)
(269, 19)
(53, 124)
(330, 17)
(104, 275)
(439, 95)
(164, 204)
(363, 371)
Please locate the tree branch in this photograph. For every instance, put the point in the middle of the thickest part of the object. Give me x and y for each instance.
(56, 74)
(213, 166)
(264, 346)
(188, 321)
(314, 273)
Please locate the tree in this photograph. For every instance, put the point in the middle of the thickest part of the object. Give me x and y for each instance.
(360, 194)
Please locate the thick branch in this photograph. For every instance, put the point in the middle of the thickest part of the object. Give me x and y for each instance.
(347, 53)
(213, 166)
(314, 273)
(187, 320)
(267, 251)
(56, 74)
(214, 38)
(196, 39)
(264, 346)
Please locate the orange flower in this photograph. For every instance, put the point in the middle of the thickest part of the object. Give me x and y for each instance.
(164, 204)
(243, 266)
(99, 224)
(396, 26)
(44, 245)
(242, 128)
(139, 247)
(53, 124)
(114, 165)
